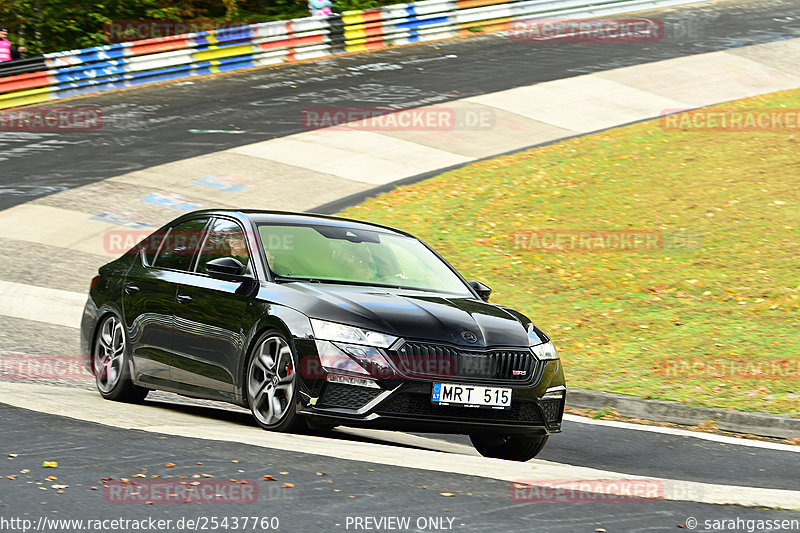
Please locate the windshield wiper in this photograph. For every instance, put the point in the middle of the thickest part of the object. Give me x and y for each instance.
(289, 279)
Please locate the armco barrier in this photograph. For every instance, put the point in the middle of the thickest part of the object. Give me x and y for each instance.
(88, 70)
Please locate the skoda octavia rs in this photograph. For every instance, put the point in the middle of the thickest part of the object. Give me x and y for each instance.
(316, 321)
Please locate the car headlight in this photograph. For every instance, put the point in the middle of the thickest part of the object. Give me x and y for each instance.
(545, 352)
(331, 331)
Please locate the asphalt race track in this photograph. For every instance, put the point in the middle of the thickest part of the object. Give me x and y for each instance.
(149, 126)
(348, 474)
(315, 503)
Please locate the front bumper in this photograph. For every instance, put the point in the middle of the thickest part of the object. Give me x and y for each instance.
(403, 401)
(408, 406)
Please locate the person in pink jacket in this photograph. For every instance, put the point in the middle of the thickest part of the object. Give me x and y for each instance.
(7, 50)
(320, 8)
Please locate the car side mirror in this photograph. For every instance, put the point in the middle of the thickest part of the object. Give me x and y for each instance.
(227, 268)
(483, 291)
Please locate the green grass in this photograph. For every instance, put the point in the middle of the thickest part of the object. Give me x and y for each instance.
(714, 322)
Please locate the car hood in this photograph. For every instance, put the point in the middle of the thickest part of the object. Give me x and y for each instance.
(411, 314)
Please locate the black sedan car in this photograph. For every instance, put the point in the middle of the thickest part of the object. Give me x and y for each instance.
(317, 321)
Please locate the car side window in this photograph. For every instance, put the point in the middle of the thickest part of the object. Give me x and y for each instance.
(180, 244)
(151, 244)
(225, 239)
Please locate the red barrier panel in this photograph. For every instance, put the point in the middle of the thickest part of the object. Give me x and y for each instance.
(292, 42)
(152, 46)
(24, 81)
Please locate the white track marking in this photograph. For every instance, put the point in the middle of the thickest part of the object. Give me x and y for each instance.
(724, 439)
(54, 306)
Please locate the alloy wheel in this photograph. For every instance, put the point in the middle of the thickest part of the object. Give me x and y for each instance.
(271, 379)
(109, 354)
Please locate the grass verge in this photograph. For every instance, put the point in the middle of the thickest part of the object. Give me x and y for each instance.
(703, 309)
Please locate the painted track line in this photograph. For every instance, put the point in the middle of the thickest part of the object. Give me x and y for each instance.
(724, 439)
(41, 304)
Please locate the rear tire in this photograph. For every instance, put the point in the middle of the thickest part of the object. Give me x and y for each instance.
(510, 447)
(110, 363)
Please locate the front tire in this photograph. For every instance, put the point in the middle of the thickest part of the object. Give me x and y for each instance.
(272, 383)
(110, 363)
(510, 447)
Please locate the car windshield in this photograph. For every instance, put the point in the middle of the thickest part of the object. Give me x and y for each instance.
(355, 256)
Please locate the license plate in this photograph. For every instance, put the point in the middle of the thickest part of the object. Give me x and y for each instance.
(471, 396)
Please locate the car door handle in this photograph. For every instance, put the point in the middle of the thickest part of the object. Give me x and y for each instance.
(130, 288)
(184, 298)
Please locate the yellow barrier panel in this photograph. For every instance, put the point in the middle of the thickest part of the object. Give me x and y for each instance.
(352, 17)
(31, 96)
(228, 51)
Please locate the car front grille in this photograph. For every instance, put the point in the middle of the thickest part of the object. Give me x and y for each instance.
(347, 396)
(426, 360)
(414, 404)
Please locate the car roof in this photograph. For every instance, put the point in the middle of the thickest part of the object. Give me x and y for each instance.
(259, 216)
